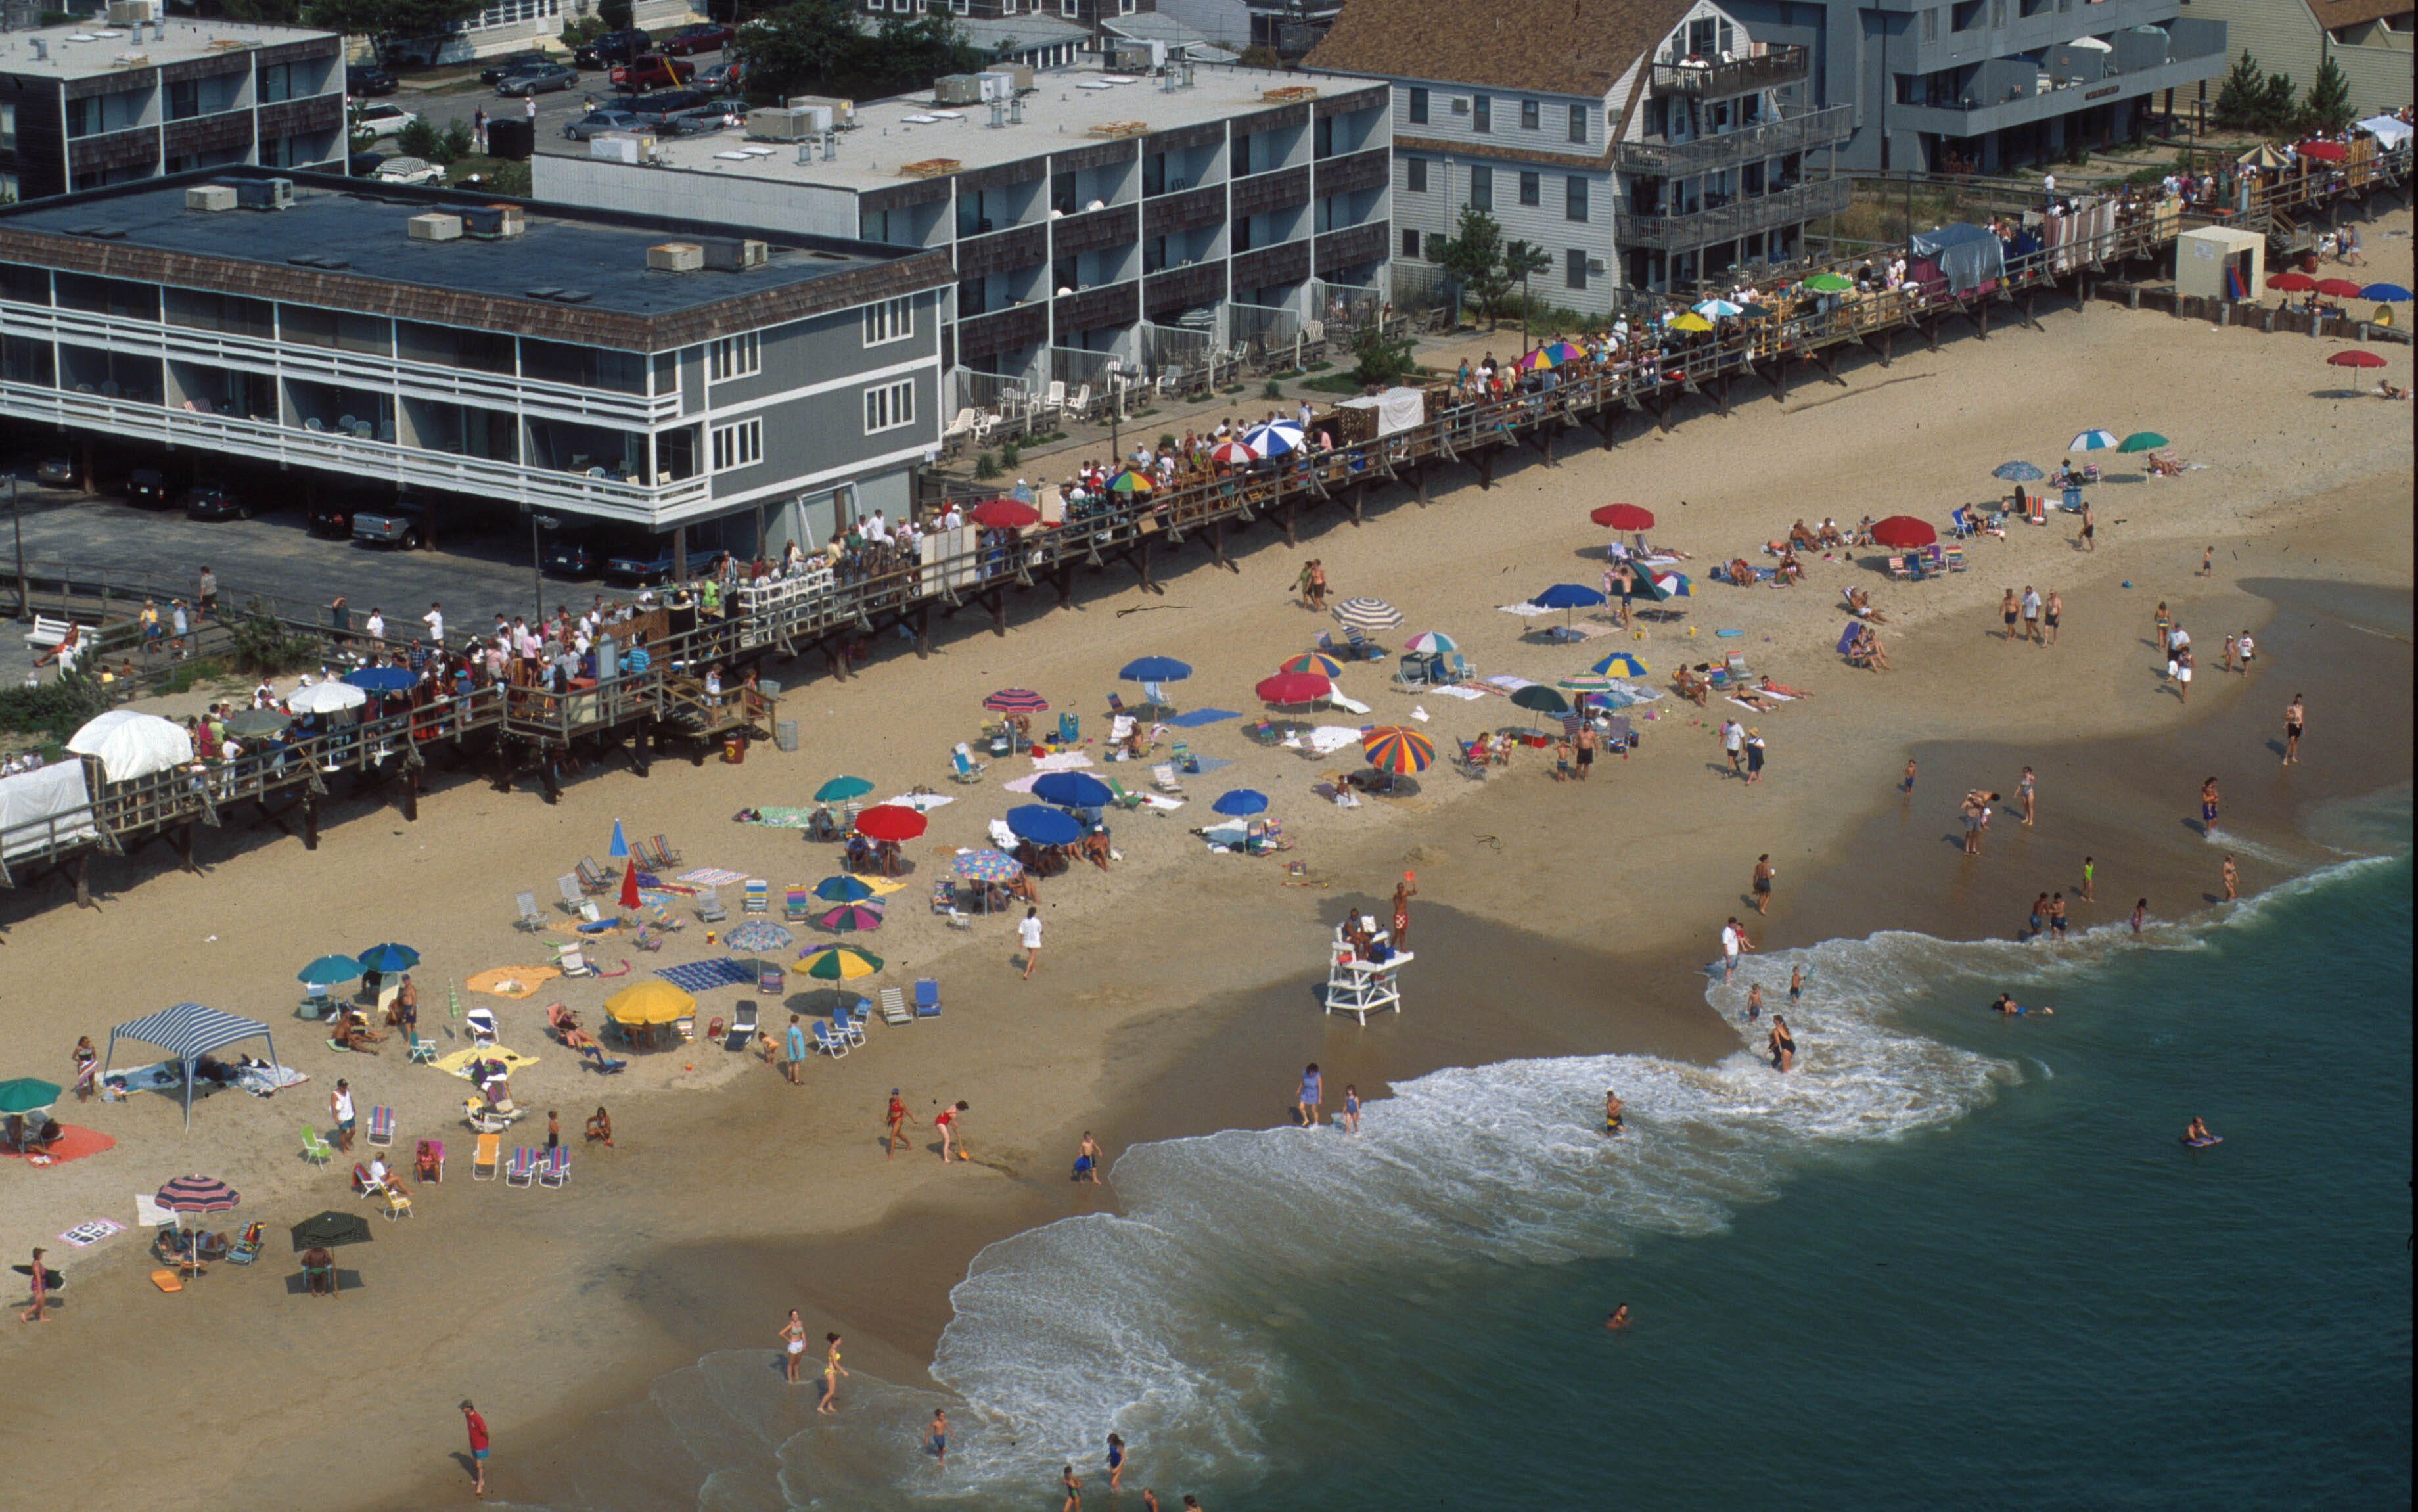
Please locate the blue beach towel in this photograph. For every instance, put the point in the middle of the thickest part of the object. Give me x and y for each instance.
(1193, 719)
(694, 977)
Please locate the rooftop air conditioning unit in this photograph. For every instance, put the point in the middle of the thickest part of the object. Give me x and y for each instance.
(731, 255)
(265, 193)
(1020, 73)
(134, 12)
(997, 83)
(1130, 57)
(209, 197)
(843, 110)
(493, 223)
(785, 125)
(676, 257)
(435, 226)
(959, 89)
(629, 150)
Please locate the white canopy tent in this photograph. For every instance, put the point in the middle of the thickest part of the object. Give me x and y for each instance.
(131, 744)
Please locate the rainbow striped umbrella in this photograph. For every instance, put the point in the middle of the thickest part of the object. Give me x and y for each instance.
(1432, 643)
(1317, 662)
(1391, 748)
(1016, 701)
(838, 962)
(1131, 482)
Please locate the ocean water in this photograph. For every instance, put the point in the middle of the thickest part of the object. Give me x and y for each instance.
(1950, 1259)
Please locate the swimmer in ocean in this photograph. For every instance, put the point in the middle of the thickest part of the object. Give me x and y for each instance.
(1611, 1109)
(2009, 1006)
(2198, 1134)
(1618, 1321)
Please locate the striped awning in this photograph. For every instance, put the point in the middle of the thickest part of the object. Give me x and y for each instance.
(190, 1029)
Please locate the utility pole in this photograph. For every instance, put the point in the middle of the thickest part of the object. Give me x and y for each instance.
(17, 524)
(537, 564)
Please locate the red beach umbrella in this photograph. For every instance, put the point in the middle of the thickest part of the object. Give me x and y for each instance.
(2338, 288)
(1623, 517)
(2354, 357)
(1903, 531)
(630, 885)
(890, 821)
(1294, 687)
(2290, 283)
(2322, 151)
(1003, 515)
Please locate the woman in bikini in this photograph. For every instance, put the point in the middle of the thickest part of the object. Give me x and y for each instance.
(833, 1370)
(793, 1346)
(2024, 795)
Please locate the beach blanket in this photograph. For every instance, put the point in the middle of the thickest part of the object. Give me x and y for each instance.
(919, 802)
(1526, 611)
(694, 977)
(1202, 764)
(1504, 682)
(267, 1082)
(1328, 739)
(783, 818)
(1023, 784)
(513, 982)
(1458, 690)
(713, 876)
(458, 1063)
(91, 1231)
(1002, 837)
(74, 1143)
(1193, 719)
(1161, 802)
(1231, 837)
(1060, 761)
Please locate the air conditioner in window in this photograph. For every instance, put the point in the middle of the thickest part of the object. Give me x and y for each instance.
(1460, 107)
(1595, 266)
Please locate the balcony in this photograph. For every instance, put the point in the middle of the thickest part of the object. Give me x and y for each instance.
(1287, 263)
(1767, 139)
(1114, 304)
(1003, 330)
(1002, 252)
(1995, 99)
(1117, 225)
(1360, 170)
(1767, 68)
(1181, 288)
(1740, 217)
(1338, 251)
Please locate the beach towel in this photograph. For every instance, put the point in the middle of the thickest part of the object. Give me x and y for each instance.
(458, 1063)
(1461, 691)
(1328, 739)
(91, 1231)
(919, 802)
(1060, 761)
(713, 876)
(1526, 611)
(513, 982)
(1023, 784)
(1002, 837)
(694, 977)
(1203, 764)
(783, 818)
(1193, 719)
(267, 1082)
(1504, 682)
(74, 1142)
(148, 1213)
(1847, 637)
(1227, 836)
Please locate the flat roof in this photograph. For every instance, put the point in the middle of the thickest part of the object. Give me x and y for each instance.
(363, 257)
(83, 51)
(1059, 116)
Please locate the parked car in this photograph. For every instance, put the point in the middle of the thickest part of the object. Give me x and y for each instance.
(538, 81)
(705, 37)
(597, 123)
(409, 171)
(653, 70)
(613, 47)
(725, 78)
(652, 564)
(56, 472)
(403, 523)
(572, 554)
(368, 78)
(663, 105)
(383, 120)
(331, 514)
(216, 501)
(146, 487)
(497, 72)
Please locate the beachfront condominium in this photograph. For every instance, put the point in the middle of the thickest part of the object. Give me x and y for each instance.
(129, 96)
(1637, 144)
(1103, 226)
(2369, 41)
(724, 384)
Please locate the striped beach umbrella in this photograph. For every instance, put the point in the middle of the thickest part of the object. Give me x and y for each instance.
(843, 890)
(1585, 682)
(758, 934)
(1275, 438)
(838, 962)
(1317, 662)
(1391, 748)
(1619, 664)
(1235, 454)
(1719, 309)
(1368, 614)
(1016, 701)
(1432, 643)
(2094, 441)
(198, 1193)
(1675, 586)
(849, 918)
(1131, 481)
(987, 865)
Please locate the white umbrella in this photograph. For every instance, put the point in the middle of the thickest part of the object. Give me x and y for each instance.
(1368, 614)
(326, 699)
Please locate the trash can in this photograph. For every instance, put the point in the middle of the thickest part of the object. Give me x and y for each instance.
(734, 749)
(769, 688)
(785, 734)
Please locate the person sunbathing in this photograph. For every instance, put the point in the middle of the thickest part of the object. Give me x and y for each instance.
(1801, 535)
(1791, 571)
(1783, 689)
(1093, 847)
(1691, 686)
(1860, 605)
(351, 1036)
(1754, 699)
(1830, 535)
(2387, 389)
(1741, 571)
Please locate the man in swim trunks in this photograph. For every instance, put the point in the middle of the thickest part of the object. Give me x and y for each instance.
(1764, 873)
(2208, 801)
(937, 1441)
(2296, 715)
(1611, 1109)
(2197, 1132)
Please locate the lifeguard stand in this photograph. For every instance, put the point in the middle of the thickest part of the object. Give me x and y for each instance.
(1363, 987)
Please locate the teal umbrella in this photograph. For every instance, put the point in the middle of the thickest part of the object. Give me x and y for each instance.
(840, 789)
(26, 1094)
(2143, 441)
(328, 970)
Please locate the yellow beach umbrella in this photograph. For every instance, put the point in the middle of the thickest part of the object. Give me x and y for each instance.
(1692, 321)
(650, 1003)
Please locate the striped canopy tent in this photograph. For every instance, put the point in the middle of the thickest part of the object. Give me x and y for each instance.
(188, 1031)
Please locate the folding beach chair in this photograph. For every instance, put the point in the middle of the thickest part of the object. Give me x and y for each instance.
(393, 1203)
(381, 1127)
(771, 980)
(1119, 798)
(530, 919)
(573, 897)
(1897, 570)
(554, 1168)
(487, 1155)
(596, 879)
(962, 766)
(595, 1060)
(796, 904)
(742, 1026)
(1362, 646)
(316, 1149)
(657, 855)
(893, 1007)
(1163, 778)
(1955, 558)
(570, 961)
(928, 997)
(831, 1043)
(522, 1171)
(709, 906)
(757, 896)
(849, 1025)
(645, 938)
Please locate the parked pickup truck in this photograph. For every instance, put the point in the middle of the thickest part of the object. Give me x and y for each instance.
(403, 523)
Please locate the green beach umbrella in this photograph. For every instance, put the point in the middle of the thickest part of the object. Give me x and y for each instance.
(844, 889)
(840, 789)
(838, 962)
(1829, 284)
(26, 1094)
(2143, 441)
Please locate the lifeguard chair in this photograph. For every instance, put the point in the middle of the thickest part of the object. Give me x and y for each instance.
(1361, 988)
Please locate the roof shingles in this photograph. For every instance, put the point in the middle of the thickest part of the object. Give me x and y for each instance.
(1549, 47)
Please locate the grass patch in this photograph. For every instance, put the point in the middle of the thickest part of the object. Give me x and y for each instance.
(1340, 383)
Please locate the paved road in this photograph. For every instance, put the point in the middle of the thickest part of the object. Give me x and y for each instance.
(553, 110)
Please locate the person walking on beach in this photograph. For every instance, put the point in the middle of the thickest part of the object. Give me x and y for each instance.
(1405, 890)
(2089, 880)
(2296, 717)
(2009, 611)
(793, 1058)
(2031, 617)
(1908, 786)
(945, 1123)
(2183, 673)
(2090, 530)
(1972, 814)
(935, 1440)
(894, 1122)
(1585, 743)
(2164, 623)
(1733, 941)
(40, 1311)
(1087, 1159)
(2140, 913)
(2232, 878)
(340, 1105)
(2025, 794)
(2051, 613)
(1317, 584)
(478, 1445)
(1312, 1097)
(2208, 803)
(1734, 744)
(1029, 935)
(1116, 1463)
(1764, 873)
(833, 1370)
(1753, 757)
(2207, 562)
(1351, 1109)
(793, 1346)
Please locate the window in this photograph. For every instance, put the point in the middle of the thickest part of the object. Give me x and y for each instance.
(1574, 266)
(183, 99)
(733, 356)
(516, 12)
(1998, 12)
(737, 446)
(1415, 175)
(1931, 25)
(1242, 155)
(1532, 188)
(890, 406)
(1239, 234)
(1418, 106)
(973, 297)
(8, 127)
(1410, 244)
(1322, 137)
(1578, 123)
(892, 320)
(1574, 198)
(1529, 114)
(1481, 187)
(1481, 113)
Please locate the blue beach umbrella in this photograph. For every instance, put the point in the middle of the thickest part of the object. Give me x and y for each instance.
(1155, 669)
(383, 678)
(842, 889)
(2096, 441)
(840, 789)
(328, 970)
(2017, 472)
(1619, 664)
(1274, 438)
(1241, 804)
(384, 959)
(1567, 596)
(619, 848)
(1043, 826)
(2386, 293)
(1717, 309)
(1072, 789)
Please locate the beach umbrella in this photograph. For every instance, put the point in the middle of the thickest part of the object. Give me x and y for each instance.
(2017, 472)
(383, 678)
(1432, 643)
(1619, 664)
(651, 1002)
(987, 865)
(619, 848)
(1317, 662)
(2322, 151)
(1003, 515)
(387, 959)
(1622, 517)
(1131, 481)
(1241, 804)
(23, 1094)
(629, 898)
(329, 1230)
(1830, 284)
(758, 936)
(1391, 748)
(2093, 441)
(198, 1193)
(2388, 293)
(1294, 687)
(1043, 826)
(1755, 311)
(1235, 454)
(2355, 356)
(1073, 789)
(1536, 361)
(842, 889)
(1016, 701)
(2143, 441)
(1716, 308)
(2337, 288)
(1154, 669)
(1692, 321)
(252, 722)
(838, 962)
(1584, 682)
(2290, 283)
(1567, 596)
(851, 917)
(1366, 614)
(1644, 585)
(1274, 439)
(328, 970)
(1903, 531)
(890, 821)
(840, 789)
(1674, 586)
(326, 699)
(1544, 700)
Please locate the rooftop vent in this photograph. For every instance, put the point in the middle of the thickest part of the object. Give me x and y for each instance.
(265, 193)
(101, 233)
(676, 257)
(211, 197)
(435, 226)
(546, 291)
(493, 223)
(573, 297)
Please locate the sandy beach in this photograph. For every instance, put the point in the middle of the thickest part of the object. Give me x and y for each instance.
(1176, 992)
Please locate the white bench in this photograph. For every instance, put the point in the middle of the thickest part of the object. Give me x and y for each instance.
(47, 632)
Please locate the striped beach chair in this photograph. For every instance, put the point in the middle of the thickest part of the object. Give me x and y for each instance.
(382, 1126)
(797, 903)
(555, 1168)
(759, 896)
(521, 1169)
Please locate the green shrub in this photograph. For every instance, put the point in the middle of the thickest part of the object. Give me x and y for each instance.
(986, 465)
(1167, 440)
(1272, 390)
(58, 707)
(263, 644)
(1010, 455)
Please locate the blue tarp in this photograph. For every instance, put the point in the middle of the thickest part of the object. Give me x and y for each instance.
(1968, 255)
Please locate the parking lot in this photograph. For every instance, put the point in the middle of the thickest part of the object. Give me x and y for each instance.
(554, 110)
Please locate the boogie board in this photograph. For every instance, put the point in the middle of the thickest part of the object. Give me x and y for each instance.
(2202, 1144)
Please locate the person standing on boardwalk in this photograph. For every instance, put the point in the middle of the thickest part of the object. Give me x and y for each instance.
(478, 1445)
(793, 1346)
(1764, 873)
(2296, 717)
